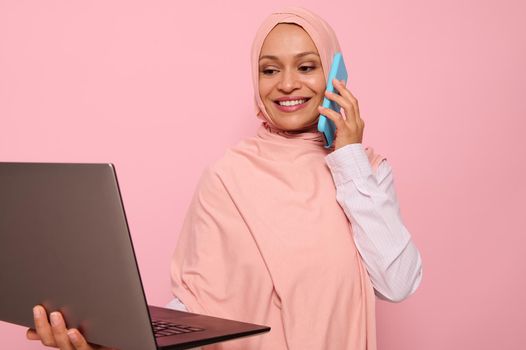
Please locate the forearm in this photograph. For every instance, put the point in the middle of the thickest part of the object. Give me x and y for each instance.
(369, 201)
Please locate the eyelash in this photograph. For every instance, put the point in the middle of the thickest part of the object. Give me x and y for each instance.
(310, 68)
(268, 71)
(304, 69)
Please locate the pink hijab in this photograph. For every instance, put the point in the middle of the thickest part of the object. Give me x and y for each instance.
(265, 241)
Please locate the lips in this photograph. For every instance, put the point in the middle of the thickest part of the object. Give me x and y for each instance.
(291, 103)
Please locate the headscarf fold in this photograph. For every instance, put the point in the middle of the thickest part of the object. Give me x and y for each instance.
(265, 241)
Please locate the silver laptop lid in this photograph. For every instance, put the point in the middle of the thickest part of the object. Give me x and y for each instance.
(58, 217)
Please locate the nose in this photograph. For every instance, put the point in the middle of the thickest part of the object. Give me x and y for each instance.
(289, 81)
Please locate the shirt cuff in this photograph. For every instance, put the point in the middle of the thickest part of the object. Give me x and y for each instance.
(349, 162)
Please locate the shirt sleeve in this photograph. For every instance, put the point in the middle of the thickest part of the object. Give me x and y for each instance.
(369, 200)
(176, 304)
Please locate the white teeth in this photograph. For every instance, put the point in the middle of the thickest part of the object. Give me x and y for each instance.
(291, 103)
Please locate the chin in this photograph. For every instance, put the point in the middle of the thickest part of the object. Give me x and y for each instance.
(298, 124)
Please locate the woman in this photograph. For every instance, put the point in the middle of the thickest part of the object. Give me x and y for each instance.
(265, 239)
(282, 231)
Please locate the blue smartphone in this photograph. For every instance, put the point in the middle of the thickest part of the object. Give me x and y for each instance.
(325, 125)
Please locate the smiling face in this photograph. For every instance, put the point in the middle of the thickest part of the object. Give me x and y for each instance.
(291, 80)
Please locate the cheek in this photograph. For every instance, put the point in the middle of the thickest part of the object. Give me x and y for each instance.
(265, 87)
(317, 85)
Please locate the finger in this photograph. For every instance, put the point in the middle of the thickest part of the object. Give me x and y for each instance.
(58, 326)
(342, 90)
(342, 102)
(346, 93)
(349, 112)
(42, 326)
(344, 128)
(332, 115)
(32, 334)
(78, 341)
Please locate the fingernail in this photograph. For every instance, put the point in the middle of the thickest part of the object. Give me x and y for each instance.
(36, 312)
(73, 336)
(55, 318)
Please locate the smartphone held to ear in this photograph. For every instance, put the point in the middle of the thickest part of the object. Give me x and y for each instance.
(325, 125)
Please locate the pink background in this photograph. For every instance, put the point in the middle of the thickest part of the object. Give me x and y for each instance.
(161, 89)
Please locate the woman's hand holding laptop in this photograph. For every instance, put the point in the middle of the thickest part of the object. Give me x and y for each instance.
(55, 334)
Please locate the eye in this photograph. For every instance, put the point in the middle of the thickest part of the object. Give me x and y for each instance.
(306, 69)
(269, 71)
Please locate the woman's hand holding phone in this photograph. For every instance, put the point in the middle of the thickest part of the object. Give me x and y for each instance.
(349, 125)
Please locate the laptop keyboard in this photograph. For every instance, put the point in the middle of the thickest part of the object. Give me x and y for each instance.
(164, 328)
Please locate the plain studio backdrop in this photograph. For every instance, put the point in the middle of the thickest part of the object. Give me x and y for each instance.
(161, 89)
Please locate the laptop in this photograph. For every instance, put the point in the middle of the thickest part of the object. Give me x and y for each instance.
(65, 244)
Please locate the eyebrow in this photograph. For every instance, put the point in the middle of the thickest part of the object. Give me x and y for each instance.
(272, 57)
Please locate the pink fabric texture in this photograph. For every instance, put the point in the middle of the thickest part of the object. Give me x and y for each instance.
(265, 241)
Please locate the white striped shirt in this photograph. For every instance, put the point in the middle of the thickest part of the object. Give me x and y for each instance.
(369, 201)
